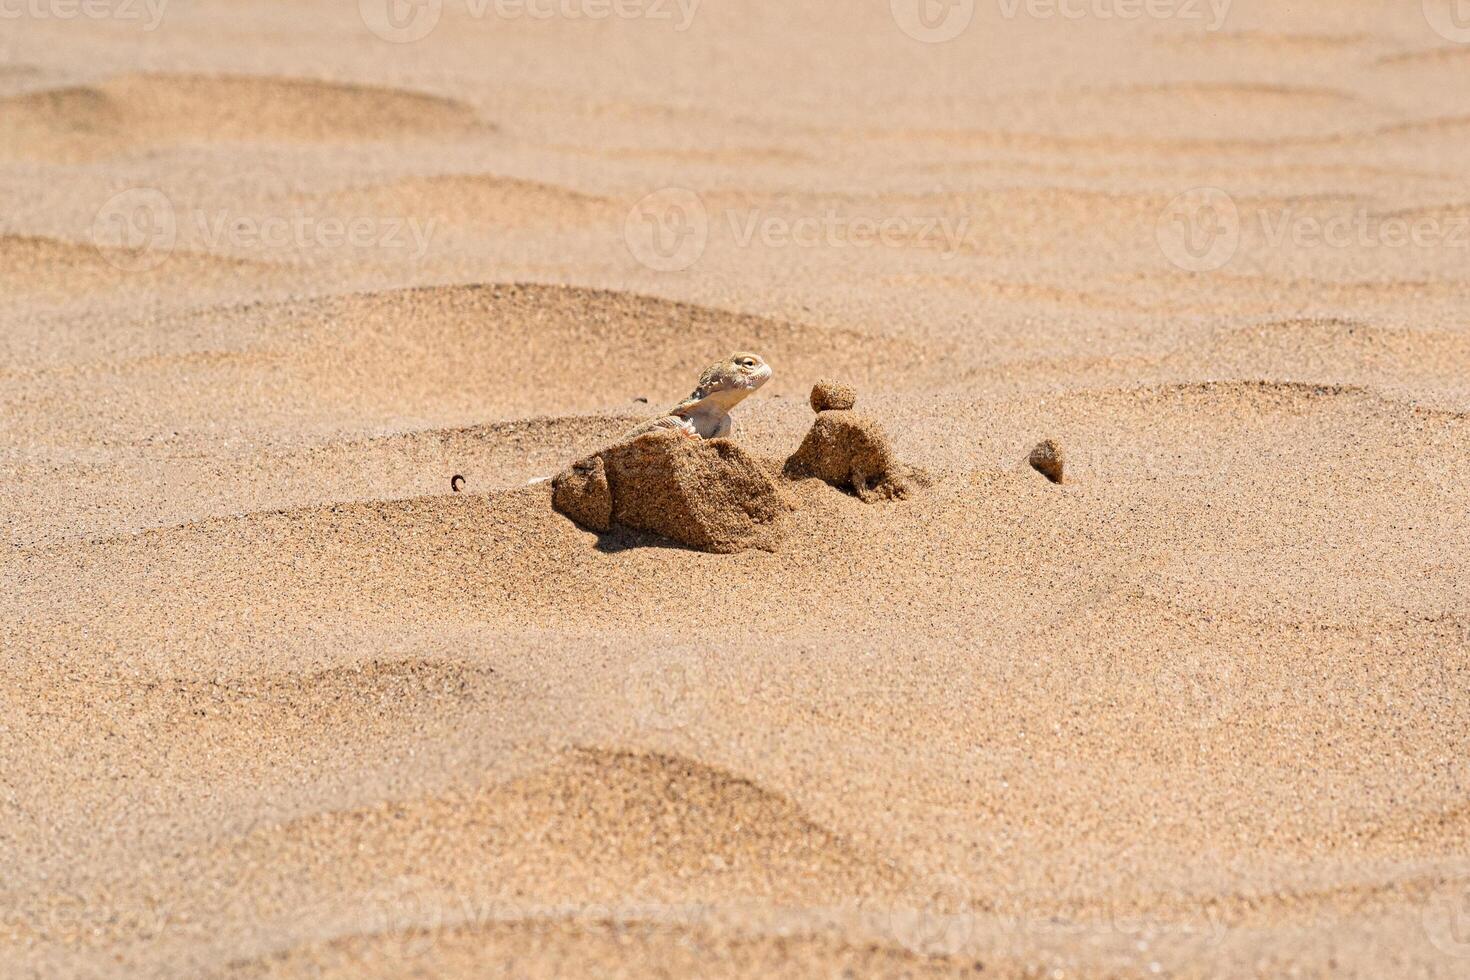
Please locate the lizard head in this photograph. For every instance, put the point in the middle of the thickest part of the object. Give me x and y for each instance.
(741, 372)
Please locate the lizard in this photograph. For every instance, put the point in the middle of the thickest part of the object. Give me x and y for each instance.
(705, 414)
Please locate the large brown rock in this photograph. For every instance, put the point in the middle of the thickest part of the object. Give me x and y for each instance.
(852, 452)
(708, 494)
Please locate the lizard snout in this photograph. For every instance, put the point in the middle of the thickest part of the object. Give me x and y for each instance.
(759, 376)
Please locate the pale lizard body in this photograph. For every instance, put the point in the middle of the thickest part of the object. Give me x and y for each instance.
(705, 414)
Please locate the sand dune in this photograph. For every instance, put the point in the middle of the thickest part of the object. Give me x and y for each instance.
(1342, 349)
(133, 111)
(31, 265)
(485, 199)
(468, 352)
(1435, 57)
(1200, 111)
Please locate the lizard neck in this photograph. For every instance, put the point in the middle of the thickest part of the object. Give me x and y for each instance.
(718, 402)
(710, 415)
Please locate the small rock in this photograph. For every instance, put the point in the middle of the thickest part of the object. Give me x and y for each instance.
(833, 396)
(1047, 459)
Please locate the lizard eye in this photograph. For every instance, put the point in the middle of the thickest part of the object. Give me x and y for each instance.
(747, 362)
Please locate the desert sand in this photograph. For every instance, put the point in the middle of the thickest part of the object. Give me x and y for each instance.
(276, 702)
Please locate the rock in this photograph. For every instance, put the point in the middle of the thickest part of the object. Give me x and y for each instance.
(581, 492)
(708, 494)
(833, 396)
(852, 452)
(1047, 459)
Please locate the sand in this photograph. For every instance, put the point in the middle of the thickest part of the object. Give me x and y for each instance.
(276, 701)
